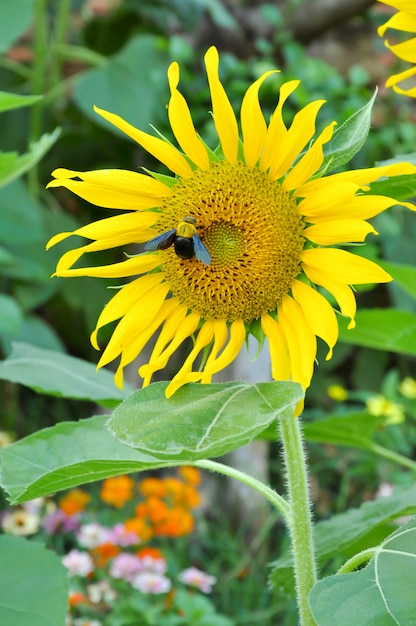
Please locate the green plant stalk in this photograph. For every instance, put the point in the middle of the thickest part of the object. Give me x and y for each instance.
(300, 521)
(392, 456)
(60, 31)
(37, 83)
(356, 560)
(276, 500)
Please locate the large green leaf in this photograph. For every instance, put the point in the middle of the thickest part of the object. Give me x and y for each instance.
(346, 533)
(353, 429)
(11, 316)
(13, 165)
(383, 329)
(130, 84)
(58, 374)
(349, 138)
(200, 421)
(404, 275)
(64, 456)
(33, 584)
(383, 593)
(15, 19)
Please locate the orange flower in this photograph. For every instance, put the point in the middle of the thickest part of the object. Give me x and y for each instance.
(152, 487)
(74, 501)
(76, 597)
(155, 553)
(179, 522)
(103, 553)
(153, 509)
(117, 491)
(190, 474)
(189, 497)
(141, 527)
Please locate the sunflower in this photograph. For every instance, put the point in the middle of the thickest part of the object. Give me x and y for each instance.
(404, 20)
(270, 228)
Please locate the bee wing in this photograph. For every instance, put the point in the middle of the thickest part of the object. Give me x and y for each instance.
(200, 250)
(161, 242)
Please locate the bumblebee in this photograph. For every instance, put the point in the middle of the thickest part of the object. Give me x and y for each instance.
(184, 239)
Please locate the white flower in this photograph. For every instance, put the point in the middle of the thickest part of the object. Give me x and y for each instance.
(79, 563)
(148, 582)
(196, 578)
(92, 535)
(20, 523)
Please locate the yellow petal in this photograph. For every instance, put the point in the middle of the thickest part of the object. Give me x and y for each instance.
(161, 356)
(342, 293)
(301, 341)
(185, 374)
(131, 267)
(338, 231)
(298, 136)
(68, 259)
(368, 175)
(220, 337)
(275, 139)
(124, 300)
(405, 50)
(233, 347)
(253, 124)
(137, 223)
(181, 123)
(141, 315)
(133, 348)
(318, 313)
(399, 21)
(159, 148)
(118, 180)
(361, 207)
(279, 355)
(393, 81)
(223, 113)
(344, 267)
(128, 200)
(310, 162)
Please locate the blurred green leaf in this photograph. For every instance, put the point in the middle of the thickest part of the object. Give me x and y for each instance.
(11, 316)
(57, 374)
(200, 421)
(398, 187)
(353, 429)
(33, 584)
(349, 138)
(10, 101)
(131, 84)
(383, 329)
(15, 19)
(67, 455)
(404, 275)
(382, 593)
(13, 165)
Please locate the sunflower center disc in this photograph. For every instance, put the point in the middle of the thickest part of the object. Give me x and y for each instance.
(253, 232)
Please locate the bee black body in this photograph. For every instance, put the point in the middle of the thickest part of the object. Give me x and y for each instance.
(184, 239)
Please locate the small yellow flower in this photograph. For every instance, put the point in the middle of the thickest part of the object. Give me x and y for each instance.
(337, 392)
(408, 387)
(271, 228)
(379, 405)
(404, 20)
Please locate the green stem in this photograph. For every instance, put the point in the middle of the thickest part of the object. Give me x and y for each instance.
(60, 31)
(392, 456)
(356, 560)
(277, 501)
(300, 521)
(37, 83)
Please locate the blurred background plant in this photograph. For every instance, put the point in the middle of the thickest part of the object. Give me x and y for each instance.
(61, 58)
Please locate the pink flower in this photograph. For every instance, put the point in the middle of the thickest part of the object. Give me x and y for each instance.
(79, 563)
(60, 522)
(125, 566)
(120, 536)
(196, 578)
(152, 564)
(148, 582)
